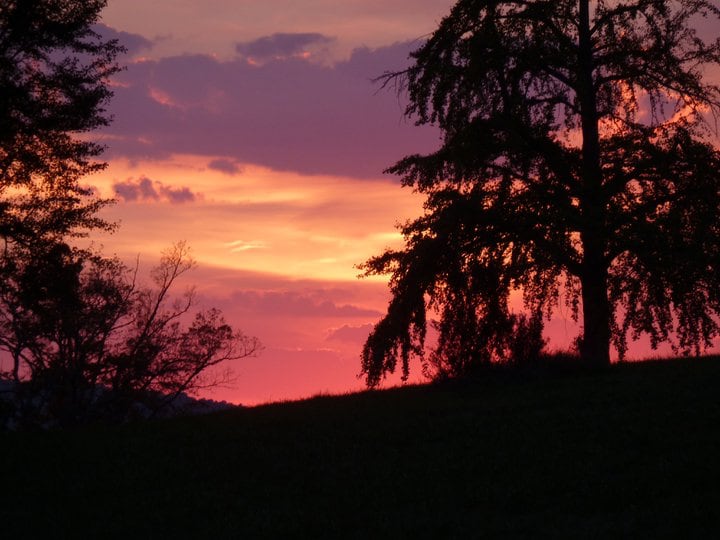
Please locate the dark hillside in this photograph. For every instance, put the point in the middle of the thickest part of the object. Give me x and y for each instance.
(632, 451)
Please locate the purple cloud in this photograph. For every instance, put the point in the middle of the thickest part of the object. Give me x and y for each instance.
(225, 166)
(132, 42)
(286, 115)
(145, 189)
(131, 190)
(281, 45)
(177, 195)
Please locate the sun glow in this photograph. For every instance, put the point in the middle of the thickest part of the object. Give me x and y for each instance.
(260, 220)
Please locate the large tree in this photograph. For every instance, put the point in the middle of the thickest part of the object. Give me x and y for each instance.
(576, 166)
(54, 70)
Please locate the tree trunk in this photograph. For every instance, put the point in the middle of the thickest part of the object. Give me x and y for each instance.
(595, 349)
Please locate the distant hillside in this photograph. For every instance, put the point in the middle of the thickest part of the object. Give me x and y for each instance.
(181, 405)
(628, 452)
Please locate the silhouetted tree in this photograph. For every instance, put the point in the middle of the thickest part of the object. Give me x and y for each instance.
(85, 341)
(89, 343)
(575, 157)
(54, 71)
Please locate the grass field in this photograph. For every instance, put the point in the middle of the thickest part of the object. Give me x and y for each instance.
(633, 451)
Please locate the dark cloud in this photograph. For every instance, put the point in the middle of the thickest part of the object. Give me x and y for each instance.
(132, 42)
(177, 195)
(287, 115)
(145, 189)
(131, 190)
(225, 166)
(281, 45)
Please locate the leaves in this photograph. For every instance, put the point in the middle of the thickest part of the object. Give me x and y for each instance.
(89, 343)
(53, 73)
(574, 159)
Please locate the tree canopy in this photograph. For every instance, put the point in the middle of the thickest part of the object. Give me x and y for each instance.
(577, 165)
(54, 70)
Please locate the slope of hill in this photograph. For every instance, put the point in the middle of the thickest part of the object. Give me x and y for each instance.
(631, 451)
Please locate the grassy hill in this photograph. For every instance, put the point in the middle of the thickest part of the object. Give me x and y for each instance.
(632, 451)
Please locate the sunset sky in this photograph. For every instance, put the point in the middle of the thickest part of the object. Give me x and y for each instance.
(253, 130)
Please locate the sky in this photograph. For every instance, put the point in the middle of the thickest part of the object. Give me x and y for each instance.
(253, 130)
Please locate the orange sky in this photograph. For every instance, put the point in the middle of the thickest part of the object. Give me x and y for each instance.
(277, 253)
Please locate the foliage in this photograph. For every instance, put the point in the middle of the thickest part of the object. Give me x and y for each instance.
(84, 340)
(88, 343)
(53, 74)
(576, 165)
(460, 352)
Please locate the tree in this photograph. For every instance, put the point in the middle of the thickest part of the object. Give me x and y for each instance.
(88, 343)
(576, 165)
(85, 342)
(54, 70)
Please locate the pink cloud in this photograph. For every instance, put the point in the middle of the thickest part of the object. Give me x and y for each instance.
(351, 334)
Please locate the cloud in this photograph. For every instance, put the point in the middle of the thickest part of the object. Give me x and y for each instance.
(226, 166)
(132, 42)
(238, 246)
(144, 189)
(294, 304)
(214, 26)
(131, 190)
(350, 334)
(282, 45)
(177, 195)
(288, 115)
